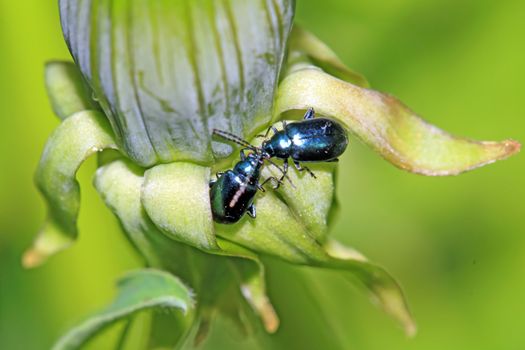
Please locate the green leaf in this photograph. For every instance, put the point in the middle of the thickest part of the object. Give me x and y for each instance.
(169, 331)
(78, 137)
(388, 126)
(137, 291)
(176, 197)
(167, 72)
(66, 89)
(303, 43)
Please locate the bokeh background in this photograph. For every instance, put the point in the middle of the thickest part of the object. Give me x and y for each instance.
(457, 244)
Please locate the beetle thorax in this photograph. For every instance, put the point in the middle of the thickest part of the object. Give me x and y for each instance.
(278, 146)
(250, 167)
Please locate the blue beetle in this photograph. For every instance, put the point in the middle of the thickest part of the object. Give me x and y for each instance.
(310, 140)
(232, 194)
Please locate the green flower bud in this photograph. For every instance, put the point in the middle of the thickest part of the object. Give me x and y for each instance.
(164, 74)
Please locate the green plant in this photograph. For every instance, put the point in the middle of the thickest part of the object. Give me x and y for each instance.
(163, 74)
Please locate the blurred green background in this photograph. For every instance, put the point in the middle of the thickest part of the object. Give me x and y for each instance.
(456, 244)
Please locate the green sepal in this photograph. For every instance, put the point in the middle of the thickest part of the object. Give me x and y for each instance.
(67, 91)
(176, 197)
(303, 43)
(119, 183)
(77, 137)
(275, 231)
(137, 291)
(386, 125)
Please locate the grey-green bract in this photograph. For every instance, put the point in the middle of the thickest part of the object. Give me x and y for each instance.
(167, 72)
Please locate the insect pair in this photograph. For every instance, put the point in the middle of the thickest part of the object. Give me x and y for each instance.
(310, 140)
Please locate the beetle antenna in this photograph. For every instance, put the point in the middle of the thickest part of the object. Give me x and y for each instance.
(240, 141)
(234, 138)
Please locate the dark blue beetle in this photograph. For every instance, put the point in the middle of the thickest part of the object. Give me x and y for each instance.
(232, 194)
(310, 140)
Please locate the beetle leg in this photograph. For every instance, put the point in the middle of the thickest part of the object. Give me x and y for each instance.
(278, 181)
(260, 187)
(301, 168)
(268, 132)
(251, 211)
(333, 160)
(285, 170)
(218, 174)
(310, 113)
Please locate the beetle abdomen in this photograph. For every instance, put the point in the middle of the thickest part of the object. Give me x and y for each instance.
(231, 196)
(316, 140)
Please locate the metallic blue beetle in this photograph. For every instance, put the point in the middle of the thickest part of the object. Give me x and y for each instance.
(232, 194)
(310, 140)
